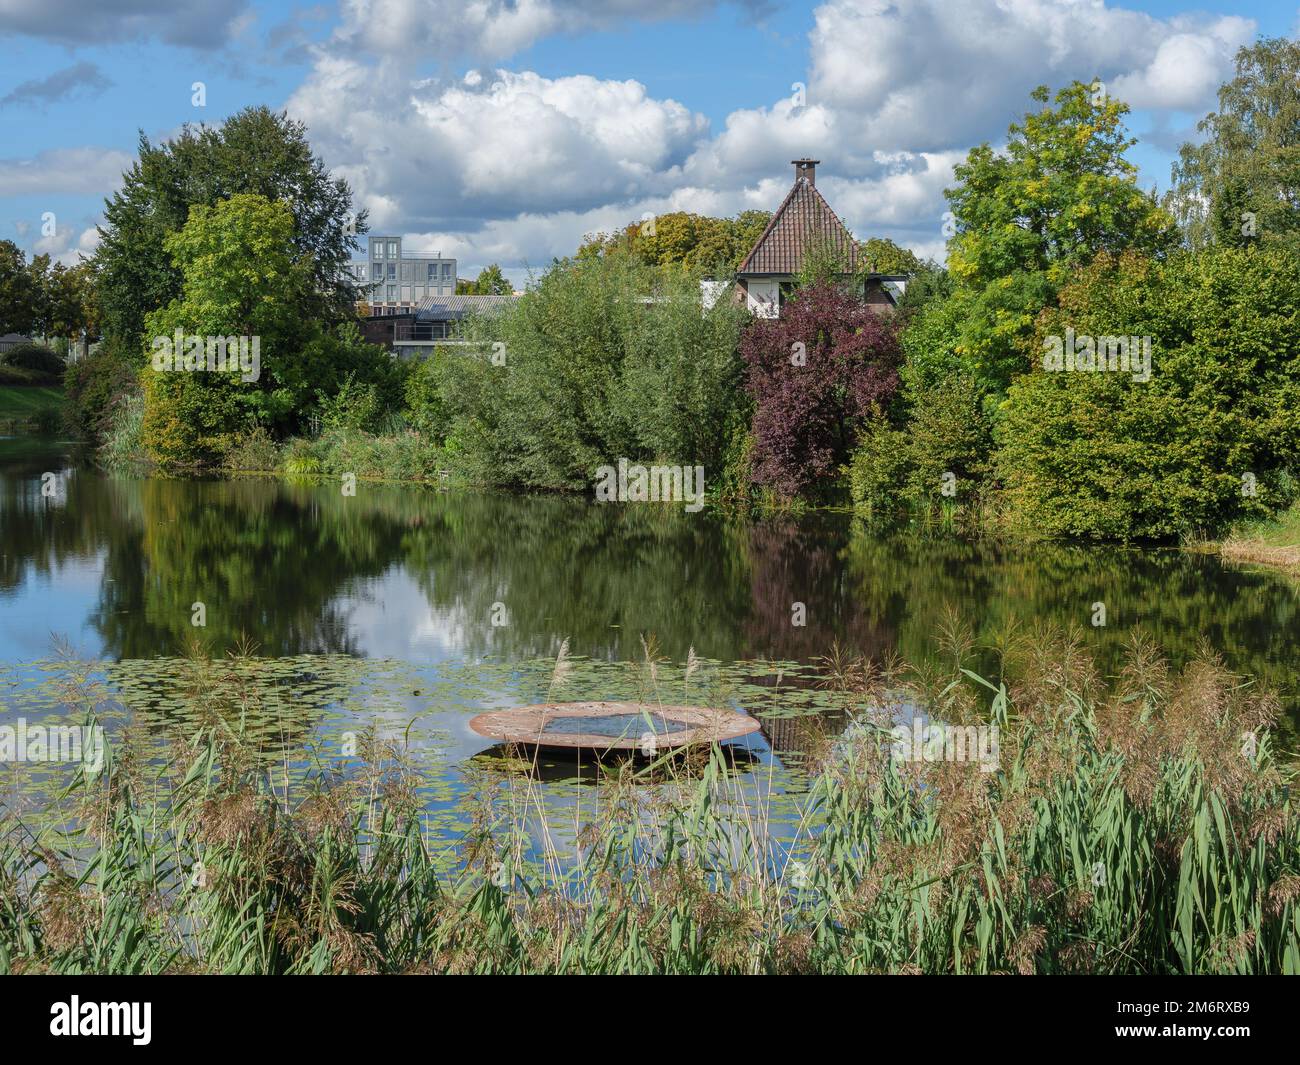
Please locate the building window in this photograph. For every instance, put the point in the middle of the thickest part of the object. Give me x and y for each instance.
(433, 272)
(392, 293)
(392, 249)
(392, 271)
(376, 271)
(406, 271)
(446, 269)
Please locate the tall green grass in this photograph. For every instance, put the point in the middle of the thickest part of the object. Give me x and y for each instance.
(1135, 824)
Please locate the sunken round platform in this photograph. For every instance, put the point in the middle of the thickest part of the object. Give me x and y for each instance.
(612, 726)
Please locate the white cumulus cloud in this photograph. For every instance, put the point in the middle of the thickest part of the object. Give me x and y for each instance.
(512, 166)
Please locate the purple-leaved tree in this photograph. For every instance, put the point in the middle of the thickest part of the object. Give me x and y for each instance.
(815, 374)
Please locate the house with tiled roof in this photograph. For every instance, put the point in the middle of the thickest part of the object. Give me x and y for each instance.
(804, 225)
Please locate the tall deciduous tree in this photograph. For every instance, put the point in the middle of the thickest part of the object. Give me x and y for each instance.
(256, 151)
(490, 282)
(17, 291)
(243, 276)
(880, 255)
(681, 238)
(1241, 184)
(1060, 192)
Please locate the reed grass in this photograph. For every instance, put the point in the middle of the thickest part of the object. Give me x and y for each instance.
(1275, 542)
(1135, 824)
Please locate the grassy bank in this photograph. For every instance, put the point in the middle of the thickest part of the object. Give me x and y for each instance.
(25, 407)
(1269, 543)
(1140, 825)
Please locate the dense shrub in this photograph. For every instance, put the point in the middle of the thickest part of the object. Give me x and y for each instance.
(424, 408)
(33, 356)
(95, 385)
(1212, 438)
(253, 451)
(736, 485)
(939, 459)
(605, 358)
(400, 456)
(816, 375)
(16, 375)
(879, 471)
(46, 420)
(359, 406)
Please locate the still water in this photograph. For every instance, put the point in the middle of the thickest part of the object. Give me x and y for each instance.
(418, 608)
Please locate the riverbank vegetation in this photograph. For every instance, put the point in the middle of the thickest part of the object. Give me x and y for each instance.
(1141, 825)
(30, 407)
(1094, 362)
(1272, 542)
(31, 399)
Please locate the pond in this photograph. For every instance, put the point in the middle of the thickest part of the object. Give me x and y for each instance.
(416, 608)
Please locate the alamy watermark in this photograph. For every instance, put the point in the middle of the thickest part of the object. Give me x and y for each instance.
(934, 741)
(21, 742)
(191, 353)
(651, 484)
(1085, 354)
(77, 1018)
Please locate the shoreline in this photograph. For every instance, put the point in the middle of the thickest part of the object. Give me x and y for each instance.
(1274, 543)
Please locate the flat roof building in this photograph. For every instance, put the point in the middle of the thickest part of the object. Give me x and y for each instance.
(395, 282)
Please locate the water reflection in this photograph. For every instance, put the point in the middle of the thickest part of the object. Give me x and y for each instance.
(414, 575)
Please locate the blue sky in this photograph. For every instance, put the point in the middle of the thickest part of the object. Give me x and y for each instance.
(504, 130)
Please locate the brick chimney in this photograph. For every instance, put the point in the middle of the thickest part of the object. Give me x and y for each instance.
(806, 169)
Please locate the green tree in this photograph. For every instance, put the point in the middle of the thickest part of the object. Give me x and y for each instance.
(1208, 438)
(17, 290)
(1060, 192)
(1241, 183)
(880, 255)
(745, 230)
(606, 357)
(244, 276)
(67, 304)
(255, 151)
(824, 262)
(939, 461)
(490, 282)
(697, 242)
